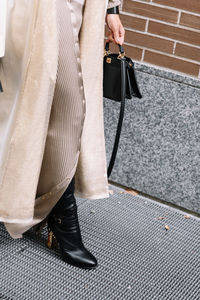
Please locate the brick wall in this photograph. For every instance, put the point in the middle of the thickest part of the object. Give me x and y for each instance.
(165, 33)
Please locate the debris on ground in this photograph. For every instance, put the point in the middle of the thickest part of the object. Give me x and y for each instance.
(160, 218)
(187, 217)
(131, 191)
(166, 227)
(111, 192)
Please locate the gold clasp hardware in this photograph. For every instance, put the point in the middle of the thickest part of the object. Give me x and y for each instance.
(51, 242)
(121, 55)
(108, 60)
(50, 238)
(106, 52)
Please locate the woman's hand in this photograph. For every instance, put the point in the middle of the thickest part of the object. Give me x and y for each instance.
(116, 29)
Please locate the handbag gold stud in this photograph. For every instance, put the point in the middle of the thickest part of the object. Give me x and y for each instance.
(108, 60)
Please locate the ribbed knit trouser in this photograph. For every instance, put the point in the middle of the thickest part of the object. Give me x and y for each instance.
(67, 117)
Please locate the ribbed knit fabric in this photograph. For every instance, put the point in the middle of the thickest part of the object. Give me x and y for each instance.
(68, 108)
(66, 120)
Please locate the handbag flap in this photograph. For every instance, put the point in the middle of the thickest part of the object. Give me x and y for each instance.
(112, 78)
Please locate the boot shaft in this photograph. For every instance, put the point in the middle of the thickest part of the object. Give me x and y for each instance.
(67, 200)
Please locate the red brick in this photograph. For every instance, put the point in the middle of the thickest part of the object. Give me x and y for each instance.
(190, 5)
(151, 11)
(190, 20)
(175, 33)
(133, 52)
(133, 22)
(187, 52)
(171, 63)
(148, 41)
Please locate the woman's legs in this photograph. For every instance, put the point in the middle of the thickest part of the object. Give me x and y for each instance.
(63, 224)
(68, 108)
(66, 120)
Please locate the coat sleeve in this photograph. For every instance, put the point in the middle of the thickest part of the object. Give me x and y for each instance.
(3, 12)
(113, 3)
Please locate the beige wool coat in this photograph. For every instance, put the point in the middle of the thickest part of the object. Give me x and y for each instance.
(28, 74)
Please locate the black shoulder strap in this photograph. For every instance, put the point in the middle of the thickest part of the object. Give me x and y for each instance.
(121, 116)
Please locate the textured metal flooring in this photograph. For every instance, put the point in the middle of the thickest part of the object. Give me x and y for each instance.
(138, 258)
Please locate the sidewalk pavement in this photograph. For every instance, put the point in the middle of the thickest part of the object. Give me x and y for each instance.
(145, 250)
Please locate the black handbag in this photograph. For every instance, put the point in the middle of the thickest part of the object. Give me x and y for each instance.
(119, 83)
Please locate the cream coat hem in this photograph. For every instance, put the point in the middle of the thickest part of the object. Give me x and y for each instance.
(29, 77)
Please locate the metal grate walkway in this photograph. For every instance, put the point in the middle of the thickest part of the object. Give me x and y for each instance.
(138, 258)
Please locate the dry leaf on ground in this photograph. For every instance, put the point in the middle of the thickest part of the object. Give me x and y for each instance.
(130, 191)
(187, 217)
(161, 218)
(166, 227)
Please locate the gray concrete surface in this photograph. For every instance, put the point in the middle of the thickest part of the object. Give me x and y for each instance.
(159, 150)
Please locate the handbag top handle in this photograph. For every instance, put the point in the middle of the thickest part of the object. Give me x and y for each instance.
(121, 49)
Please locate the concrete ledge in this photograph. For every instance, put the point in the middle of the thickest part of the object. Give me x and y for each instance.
(159, 151)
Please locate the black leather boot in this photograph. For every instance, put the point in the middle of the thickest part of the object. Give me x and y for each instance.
(64, 231)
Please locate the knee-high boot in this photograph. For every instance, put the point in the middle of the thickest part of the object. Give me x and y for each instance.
(64, 231)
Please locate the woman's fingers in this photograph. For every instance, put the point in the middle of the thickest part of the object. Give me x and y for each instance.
(114, 37)
(121, 34)
(116, 28)
(110, 38)
(117, 37)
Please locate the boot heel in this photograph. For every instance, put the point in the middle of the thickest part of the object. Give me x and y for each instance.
(64, 232)
(51, 241)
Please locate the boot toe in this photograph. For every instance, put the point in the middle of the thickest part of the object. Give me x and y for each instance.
(83, 259)
(91, 260)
